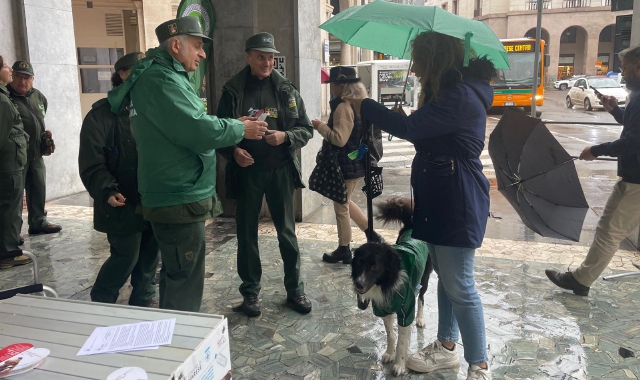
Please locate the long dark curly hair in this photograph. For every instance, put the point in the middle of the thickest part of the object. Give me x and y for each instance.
(435, 54)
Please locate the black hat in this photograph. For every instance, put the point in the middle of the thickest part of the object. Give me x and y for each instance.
(128, 60)
(342, 74)
(180, 26)
(262, 41)
(23, 67)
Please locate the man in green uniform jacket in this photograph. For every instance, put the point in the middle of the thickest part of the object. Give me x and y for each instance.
(108, 164)
(176, 142)
(266, 168)
(32, 106)
(13, 157)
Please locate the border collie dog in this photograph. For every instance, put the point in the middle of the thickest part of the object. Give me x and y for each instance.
(390, 276)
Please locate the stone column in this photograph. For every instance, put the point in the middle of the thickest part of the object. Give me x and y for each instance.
(52, 52)
(591, 55)
(346, 52)
(141, 25)
(155, 12)
(554, 53)
(635, 26)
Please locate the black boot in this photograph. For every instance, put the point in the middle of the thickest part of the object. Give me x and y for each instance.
(250, 305)
(375, 238)
(342, 253)
(567, 281)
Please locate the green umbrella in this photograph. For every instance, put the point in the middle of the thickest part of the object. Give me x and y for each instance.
(390, 27)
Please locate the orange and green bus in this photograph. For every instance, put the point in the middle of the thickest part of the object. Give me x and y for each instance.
(513, 87)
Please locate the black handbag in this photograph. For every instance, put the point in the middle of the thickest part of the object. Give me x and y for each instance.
(326, 178)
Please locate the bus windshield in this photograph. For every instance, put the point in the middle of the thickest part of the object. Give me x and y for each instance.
(520, 73)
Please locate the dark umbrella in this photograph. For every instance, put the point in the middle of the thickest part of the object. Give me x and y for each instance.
(537, 176)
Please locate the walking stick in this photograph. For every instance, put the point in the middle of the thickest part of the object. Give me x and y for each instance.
(367, 179)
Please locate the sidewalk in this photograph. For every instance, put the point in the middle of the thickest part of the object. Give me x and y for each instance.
(534, 330)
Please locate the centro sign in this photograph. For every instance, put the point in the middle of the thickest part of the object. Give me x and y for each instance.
(198, 11)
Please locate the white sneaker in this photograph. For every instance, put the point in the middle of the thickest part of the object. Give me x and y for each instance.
(477, 373)
(434, 357)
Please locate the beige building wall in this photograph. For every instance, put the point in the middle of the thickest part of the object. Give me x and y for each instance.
(512, 19)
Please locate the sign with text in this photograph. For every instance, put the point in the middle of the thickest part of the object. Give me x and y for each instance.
(280, 64)
(520, 48)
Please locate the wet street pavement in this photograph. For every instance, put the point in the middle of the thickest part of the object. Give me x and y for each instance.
(534, 330)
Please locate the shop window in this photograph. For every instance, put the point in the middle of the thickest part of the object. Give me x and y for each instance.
(96, 68)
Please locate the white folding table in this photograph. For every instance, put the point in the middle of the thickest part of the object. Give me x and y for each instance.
(63, 326)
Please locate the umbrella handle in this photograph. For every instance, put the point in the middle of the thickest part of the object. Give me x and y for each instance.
(598, 158)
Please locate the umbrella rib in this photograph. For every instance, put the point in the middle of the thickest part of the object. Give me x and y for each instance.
(536, 212)
(541, 173)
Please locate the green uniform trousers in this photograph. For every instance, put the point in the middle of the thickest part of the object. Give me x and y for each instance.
(134, 255)
(11, 188)
(182, 274)
(278, 188)
(35, 185)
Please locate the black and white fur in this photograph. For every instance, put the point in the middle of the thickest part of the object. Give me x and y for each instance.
(376, 275)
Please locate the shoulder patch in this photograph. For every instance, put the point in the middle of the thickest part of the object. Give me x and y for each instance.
(292, 102)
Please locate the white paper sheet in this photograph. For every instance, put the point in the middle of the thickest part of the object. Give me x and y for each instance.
(135, 336)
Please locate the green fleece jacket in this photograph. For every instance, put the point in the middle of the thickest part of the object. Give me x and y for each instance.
(292, 119)
(175, 137)
(413, 256)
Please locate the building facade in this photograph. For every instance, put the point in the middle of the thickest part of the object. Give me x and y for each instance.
(579, 33)
(73, 45)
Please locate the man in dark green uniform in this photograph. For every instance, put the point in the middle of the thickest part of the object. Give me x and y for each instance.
(176, 142)
(108, 164)
(32, 106)
(13, 157)
(266, 168)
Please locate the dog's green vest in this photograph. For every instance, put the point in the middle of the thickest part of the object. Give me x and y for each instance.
(413, 256)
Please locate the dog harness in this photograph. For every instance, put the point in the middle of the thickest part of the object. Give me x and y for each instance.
(413, 259)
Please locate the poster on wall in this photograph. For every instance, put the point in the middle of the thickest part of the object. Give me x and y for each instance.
(280, 64)
(96, 81)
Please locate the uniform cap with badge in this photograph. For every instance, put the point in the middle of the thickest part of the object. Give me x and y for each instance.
(180, 26)
(262, 41)
(23, 67)
(127, 61)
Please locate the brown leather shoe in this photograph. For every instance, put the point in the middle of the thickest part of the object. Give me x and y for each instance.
(14, 262)
(48, 228)
(567, 281)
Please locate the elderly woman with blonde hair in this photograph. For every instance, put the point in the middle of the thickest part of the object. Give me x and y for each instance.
(344, 131)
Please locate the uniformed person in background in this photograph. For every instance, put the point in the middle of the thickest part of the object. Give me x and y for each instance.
(13, 157)
(176, 142)
(266, 168)
(32, 106)
(108, 164)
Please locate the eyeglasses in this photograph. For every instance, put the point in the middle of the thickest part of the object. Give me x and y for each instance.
(623, 68)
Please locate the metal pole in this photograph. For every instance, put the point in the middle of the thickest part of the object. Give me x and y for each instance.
(536, 60)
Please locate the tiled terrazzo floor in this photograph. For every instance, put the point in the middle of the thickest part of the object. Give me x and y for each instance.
(534, 330)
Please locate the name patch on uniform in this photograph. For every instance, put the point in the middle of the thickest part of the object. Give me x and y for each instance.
(292, 102)
(271, 112)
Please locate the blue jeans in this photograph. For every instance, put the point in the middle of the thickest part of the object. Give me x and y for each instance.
(459, 306)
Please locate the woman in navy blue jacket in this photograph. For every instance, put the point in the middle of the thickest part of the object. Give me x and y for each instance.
(451, 193)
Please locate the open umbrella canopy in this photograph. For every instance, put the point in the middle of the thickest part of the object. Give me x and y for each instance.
(537, 176)
(390, 27)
